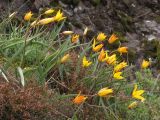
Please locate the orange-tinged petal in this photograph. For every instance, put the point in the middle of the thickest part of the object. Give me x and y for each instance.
(120, 66)
(75, 38)
(95, 47)
(102, 55)
(122, 50)
(79, 99)
(112, 39)
(98, 48)
(111, 60)
(28, 16)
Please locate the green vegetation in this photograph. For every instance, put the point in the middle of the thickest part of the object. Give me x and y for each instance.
(43, 70)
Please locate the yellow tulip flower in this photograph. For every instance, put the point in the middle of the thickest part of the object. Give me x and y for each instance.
(122, 50)
(120, 66)
(111, 60)
(79, 99)
(65, 58)
(145, 64)
(85, 62)
(101, 37)
(102, 55)
(48, 12)
(104, 92)
(28, 16)
(118, 76)
(137, 93)
(112, 39)
(95, 47)
(59, 16)
(75, 38)
(45, 21)
(133, 105)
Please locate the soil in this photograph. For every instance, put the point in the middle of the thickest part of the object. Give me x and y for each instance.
(136, 22)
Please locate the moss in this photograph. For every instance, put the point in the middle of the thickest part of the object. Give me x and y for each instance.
(125, 19)
(157, 19)
(151, 48)
(158, 54)
(95, 2)
(121, 37)
(77, 24)
(132, 55)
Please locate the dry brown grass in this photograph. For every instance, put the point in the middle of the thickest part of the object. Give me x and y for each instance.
(31, 102)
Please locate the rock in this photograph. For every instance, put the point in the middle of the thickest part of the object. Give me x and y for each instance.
(3, 8)
(151, 37)
(41, 3)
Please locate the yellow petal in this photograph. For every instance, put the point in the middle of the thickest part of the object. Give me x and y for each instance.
(45, 21)
(111, 60)
(118, 76)
(95, 47)
(139, 97)
(133, 105)
(105, 92)
(59, 16)
(102, 55)
(65, 58)
(120, 66)
(48, 12)
(122, 50)
(28, 16)
(101, 37)
(85, 62)
(34, 23)
(145, 64)
(139, 92)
